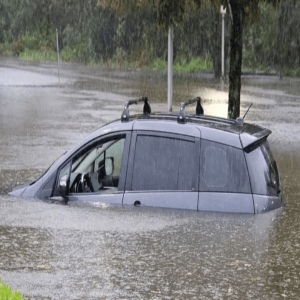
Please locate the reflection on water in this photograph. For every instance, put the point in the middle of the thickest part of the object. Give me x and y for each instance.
(77, 251)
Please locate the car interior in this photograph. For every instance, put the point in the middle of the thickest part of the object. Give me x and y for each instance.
(97, 167)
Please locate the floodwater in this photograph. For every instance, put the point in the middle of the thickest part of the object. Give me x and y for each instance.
(86, 251)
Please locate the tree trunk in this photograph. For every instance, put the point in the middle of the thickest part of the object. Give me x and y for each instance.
(236, 47)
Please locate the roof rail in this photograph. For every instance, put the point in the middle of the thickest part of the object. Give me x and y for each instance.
(181, 118)
(146, 109)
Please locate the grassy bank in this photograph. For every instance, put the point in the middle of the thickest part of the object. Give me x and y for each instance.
(196, 64)
(7, 294)
(26, 51)
(36, 55)
(121, 61)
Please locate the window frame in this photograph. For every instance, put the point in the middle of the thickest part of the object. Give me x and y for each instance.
(124, 161)
(56, 192)
(135, 134)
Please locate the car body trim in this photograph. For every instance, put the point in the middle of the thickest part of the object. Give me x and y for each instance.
(166, 126)
(113, 198)
(31, 190)
(225, 202)
(249, 139)
(264, 204)
(18, 191)
(168, 199)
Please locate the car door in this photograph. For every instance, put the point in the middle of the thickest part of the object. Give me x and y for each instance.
(224, 180)
(163, 170)
(97, 171)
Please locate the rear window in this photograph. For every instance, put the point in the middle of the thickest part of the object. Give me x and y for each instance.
(162, 163)
(263, 170)
(223, 169)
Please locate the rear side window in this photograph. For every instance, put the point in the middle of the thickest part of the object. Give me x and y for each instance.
(263, 170)
(162, 163)
(223, 169)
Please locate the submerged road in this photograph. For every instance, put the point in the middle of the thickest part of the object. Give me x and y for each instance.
(96, 251)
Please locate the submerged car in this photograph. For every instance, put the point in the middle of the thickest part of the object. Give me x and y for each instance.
(186, 161)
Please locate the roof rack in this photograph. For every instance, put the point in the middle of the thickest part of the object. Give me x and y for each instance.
(146, 109)
(181, 118)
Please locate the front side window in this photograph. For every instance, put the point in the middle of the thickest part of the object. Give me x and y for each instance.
(94, 169)
(163, 163)
(223, 169)
(97, 167)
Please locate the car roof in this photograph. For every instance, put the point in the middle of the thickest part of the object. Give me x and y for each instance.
(217, 129)
(230, 132)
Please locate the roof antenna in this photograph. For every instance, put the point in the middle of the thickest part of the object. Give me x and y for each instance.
(247, 111)
(240, 120)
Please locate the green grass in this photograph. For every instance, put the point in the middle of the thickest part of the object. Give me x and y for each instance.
(46, 54)
(196, 64)
(36, 55)
(69, 55)
(7, 48)
(292, 72)
(7, 294)
(159, 65)
(77, 53)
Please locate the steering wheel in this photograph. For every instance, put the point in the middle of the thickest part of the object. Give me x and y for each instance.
(85, 184)
(75, 183)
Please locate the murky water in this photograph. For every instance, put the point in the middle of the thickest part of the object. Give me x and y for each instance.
(83, 251)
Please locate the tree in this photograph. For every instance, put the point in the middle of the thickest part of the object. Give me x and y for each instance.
(288, 40)
(242, 12)
(259, 45)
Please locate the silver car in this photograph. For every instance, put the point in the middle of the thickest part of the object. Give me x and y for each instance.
(185, 161)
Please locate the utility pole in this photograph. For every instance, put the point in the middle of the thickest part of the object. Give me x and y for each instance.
(57, 47)
(170, 67)
(223, 12)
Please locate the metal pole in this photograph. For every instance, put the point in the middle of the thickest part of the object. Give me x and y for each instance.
(223, 12)
(57, 47)
(223, 42)
(170, 68)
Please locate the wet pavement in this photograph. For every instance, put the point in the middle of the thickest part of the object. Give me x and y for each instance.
(93, 251)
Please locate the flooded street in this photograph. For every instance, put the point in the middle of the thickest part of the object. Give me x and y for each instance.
(90, 251)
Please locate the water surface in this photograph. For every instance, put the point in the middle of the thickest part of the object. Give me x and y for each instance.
(96, 251)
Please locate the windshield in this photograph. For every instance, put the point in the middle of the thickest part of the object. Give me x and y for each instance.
(50, 167)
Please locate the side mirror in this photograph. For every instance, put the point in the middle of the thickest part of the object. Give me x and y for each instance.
(109, 166)
(63, 186)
